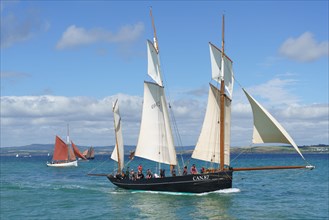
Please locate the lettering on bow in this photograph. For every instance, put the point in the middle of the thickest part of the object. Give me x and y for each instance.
(200, 178)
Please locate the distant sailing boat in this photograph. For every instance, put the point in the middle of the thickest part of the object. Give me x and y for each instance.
(156, 140)
(89, 153)
(65, 154)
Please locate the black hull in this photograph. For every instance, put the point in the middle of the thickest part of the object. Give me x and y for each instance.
(192, 183)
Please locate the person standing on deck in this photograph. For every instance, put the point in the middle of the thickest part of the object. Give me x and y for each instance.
(193, 169)
(185, 171)
(140, 168)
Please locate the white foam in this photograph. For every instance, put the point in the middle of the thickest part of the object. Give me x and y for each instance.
(226, 191)
(162, 192)
(222, 191)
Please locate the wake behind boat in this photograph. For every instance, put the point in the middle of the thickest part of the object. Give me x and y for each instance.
(156, 142)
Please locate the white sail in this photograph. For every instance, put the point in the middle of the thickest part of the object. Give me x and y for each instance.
(153, 63)
(208, 146)
(266, 128)
(118, 156)
(155, 140)
(221, 68)
(216, 62)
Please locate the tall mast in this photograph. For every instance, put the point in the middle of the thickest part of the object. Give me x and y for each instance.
(223, 29)
(68, 135)
(155, 39)
(222, 106)
(68, 143)
(155, 43)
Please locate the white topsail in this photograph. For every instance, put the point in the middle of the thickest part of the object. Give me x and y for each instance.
(221, 67)
(155, 140)
(207, 147)
(118, 136)
(153, 63)
(266, 128)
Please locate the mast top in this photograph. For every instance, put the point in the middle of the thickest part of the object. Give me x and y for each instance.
(222, 109)
(223, 29)
(155, 39)
(68, 134)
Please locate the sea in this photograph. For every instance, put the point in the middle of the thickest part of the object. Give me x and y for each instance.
(31, 190)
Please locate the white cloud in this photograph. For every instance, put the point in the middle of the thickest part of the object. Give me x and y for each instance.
(77, 36)
(308, 113)
(304, 48)
(37, 119)
(306, 123)
(276, 91)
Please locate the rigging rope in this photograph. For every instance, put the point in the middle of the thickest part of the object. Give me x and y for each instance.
(178, 137)
(97, 167)
(173, 119)
(242, 152)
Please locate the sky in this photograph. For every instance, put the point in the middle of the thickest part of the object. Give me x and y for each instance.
(66, 62)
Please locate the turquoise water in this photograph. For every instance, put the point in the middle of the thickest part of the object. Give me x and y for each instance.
(30, 190)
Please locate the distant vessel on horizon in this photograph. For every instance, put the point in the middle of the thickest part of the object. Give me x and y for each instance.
(89, 153)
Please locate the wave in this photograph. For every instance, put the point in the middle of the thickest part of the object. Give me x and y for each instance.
(222, 191)
(161, 192)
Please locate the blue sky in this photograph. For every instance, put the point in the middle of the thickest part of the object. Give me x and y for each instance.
(66, 61)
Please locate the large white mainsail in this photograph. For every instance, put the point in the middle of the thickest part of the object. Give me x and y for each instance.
(207, 147)
(155, 140)
(118, 152)
(266, 128)
(221, 68)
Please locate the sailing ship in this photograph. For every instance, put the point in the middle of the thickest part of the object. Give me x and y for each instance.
(156, 143)
(89, 153)
(65, 154)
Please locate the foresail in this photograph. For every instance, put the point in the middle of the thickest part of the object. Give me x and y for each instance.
(118, 135)
(72, 156)
(153, 63)
(207, 147)
(155, 140)
(61, 150)
(221, 68)
(266, 128)
(77, 151)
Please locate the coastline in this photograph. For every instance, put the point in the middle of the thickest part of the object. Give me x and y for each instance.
(42, 150)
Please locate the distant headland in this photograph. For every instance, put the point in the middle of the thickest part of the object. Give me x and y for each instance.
(45, 149)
